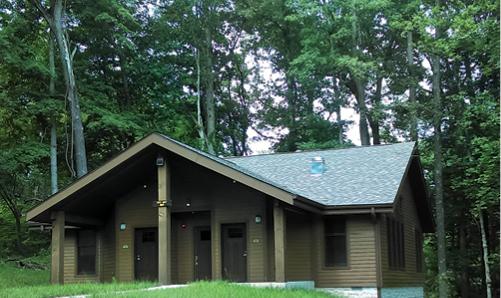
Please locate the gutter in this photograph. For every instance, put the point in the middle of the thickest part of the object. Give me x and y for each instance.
(322, 209)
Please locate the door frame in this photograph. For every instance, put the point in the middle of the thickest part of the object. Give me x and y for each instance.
(245, 241)
(196, 229)
(134, 250)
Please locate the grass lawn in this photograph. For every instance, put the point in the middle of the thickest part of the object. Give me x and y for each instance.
(26, 283)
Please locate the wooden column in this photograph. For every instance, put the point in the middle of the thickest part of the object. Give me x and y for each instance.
(279, 241)
(164, 224)
(215, 246)
(57, 248)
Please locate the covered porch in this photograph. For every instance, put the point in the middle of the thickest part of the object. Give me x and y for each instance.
(162, 216)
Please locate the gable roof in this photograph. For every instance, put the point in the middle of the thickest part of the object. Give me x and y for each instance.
(204, 159)
(354, 176)
(357, 177)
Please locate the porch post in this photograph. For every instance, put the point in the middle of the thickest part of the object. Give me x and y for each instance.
(57, 248)
(279, 240)
(164, 223)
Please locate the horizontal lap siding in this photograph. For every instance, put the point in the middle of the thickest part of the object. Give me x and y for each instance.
(134, 209)
(108, 251)
(70, 260)
(406, 213)
(238, 204)
(298, 247)
(361, 270)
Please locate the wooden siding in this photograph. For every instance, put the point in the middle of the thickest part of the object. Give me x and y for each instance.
(226, 200)
(108, 250)
(70, 259)
(136, 210)
(361, 269)
(405, 211)
(298, 256)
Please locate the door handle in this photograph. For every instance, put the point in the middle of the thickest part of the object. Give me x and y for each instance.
(138, 257)
(196, 260)
(244, 254)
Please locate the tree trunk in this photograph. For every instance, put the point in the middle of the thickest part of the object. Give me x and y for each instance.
(485, 254)
(210, 109)
(360, 88)
(200, 122)
(53, 131)
(439, 204)
(412, 88)
(363, 127)
(373, 116)
(69, 79)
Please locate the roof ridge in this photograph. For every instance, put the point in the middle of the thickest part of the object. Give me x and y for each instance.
(319, 150)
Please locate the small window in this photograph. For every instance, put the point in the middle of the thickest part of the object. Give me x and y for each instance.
(396, 241)
(419, 250)
(335, 242)
(86, 252)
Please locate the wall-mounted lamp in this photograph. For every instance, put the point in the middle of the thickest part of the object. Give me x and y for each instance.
(160, 161)
(258, 219)
(188, 202)
(123, 226)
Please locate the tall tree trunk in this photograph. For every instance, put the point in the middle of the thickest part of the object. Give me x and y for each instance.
(56, 25)
(53, 130)
(360, 87)
(69, 79)
(200, 122)
(363, 127)
(210, 106)
(373, 116)
(412, 87)
(485, 254)
(439, 204)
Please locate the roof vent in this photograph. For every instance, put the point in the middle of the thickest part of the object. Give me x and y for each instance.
(317, 167)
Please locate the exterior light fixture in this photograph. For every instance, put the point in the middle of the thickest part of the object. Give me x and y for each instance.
(123, 226)
(160, 161)
(258, 219)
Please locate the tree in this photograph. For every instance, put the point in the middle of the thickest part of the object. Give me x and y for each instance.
(55, 19)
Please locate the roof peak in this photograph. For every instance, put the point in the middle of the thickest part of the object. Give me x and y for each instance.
(321, 150)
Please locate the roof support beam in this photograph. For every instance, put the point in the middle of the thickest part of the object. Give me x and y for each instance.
(78, 220)
(279, 241)
(57, 248)
(164, 222)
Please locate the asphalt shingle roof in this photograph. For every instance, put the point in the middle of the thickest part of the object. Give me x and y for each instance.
(354, 176)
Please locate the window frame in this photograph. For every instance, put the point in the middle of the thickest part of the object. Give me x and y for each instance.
(78, 246)
(335, 234)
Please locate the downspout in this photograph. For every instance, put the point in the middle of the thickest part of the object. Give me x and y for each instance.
(377, 243)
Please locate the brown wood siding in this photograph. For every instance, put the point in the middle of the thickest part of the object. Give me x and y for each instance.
(70, 260)
(108, 250)
(405, 211)
(135, 209)
(228, 202)
(361, 269)
(298, 247)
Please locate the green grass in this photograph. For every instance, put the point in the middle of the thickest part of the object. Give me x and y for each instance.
(26, 283)
(221, 289)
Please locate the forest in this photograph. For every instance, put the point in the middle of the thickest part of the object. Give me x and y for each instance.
(80, 81)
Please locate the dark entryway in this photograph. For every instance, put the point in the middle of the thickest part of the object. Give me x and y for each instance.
(234, 248)
(146, 254)
(202, 253)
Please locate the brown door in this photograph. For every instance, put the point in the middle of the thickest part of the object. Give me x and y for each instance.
(202, 251)
(234, 247)
(146, 254)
